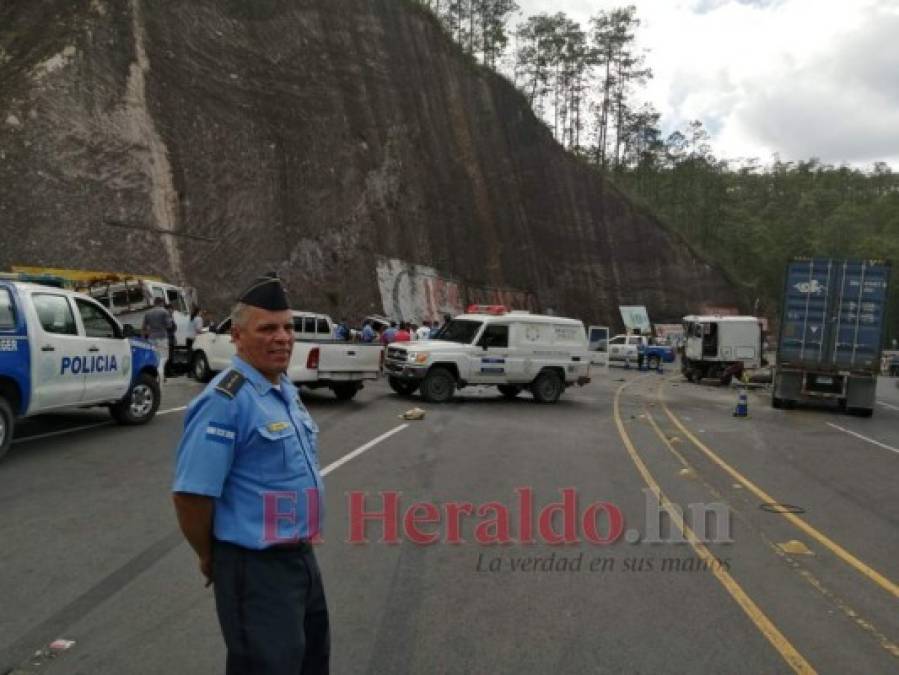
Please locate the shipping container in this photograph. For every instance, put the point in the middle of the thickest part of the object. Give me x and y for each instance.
(831, 332)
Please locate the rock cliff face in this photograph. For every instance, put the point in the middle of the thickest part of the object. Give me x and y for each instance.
(341, 143)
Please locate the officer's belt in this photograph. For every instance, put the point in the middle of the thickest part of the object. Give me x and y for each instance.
(294, 546)
(301, 546)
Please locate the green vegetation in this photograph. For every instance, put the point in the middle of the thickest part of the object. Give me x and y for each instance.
(748, 218)
(752, 220)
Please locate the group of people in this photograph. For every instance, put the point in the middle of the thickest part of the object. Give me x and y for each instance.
(404, 331)
(387, 333)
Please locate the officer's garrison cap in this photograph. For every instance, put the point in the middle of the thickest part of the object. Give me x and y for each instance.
(266, 292)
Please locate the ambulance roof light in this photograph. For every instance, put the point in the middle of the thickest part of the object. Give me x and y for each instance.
(496, 310)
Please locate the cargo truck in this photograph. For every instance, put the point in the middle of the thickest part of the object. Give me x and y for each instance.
(831, 333)
(721, 347)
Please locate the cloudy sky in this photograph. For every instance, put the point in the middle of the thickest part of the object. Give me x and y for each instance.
(803, 78)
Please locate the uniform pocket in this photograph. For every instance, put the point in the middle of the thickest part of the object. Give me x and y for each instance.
(311, 430)
(279, 453)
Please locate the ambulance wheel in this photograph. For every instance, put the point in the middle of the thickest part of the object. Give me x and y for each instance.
(7, 425)
(547, 387)
(510, 391)
(438, 386)
(653, 362)
(402, 387)
(199, 366)
(345, 391)
(141, 403)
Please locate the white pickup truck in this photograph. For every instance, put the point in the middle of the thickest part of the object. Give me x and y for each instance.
(62, 349)
(317, 359)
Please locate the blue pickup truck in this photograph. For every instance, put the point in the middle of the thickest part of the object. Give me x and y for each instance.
(626, 348)
(63, 349)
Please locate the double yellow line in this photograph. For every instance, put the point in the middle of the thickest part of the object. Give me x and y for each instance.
(817, 535)
(792, 657)
(777, 639)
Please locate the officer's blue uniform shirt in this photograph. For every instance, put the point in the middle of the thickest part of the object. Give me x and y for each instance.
(253, 453)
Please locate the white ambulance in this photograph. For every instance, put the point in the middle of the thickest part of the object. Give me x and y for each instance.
(490, 345)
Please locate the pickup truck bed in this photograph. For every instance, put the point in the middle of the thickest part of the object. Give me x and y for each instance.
(340, 366)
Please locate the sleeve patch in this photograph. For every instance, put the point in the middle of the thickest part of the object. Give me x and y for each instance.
(220, 433)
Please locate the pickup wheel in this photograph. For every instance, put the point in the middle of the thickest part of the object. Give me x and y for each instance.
(547, 387)
(141, 403)
(7, 425)
(345, 391)
(402, 387)
(510, 391)
(199, 366)
(438, 386)
(653, 362)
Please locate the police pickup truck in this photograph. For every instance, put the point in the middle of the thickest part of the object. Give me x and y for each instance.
(626, 348)
(317, 360)
(60, 349)
(490, 345)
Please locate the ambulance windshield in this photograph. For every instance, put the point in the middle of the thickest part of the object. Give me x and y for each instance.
(460, 330)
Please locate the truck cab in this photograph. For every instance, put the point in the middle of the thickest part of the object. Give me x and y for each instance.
(59, 348)
(490, 345)
(720, 347)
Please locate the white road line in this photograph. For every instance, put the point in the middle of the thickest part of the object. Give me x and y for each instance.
(362, 448)
(864, 438)
(328, 469)
(60, 432)
(887, 405)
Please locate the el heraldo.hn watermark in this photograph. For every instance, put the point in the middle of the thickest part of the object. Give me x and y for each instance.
(493, 527)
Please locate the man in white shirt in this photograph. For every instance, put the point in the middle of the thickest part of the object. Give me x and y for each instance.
(424, 331)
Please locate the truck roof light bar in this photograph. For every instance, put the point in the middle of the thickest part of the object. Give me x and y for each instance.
(496, 310)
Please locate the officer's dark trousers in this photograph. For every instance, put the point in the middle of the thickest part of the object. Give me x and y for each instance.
(271, 606)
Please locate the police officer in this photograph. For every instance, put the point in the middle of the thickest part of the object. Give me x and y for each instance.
(641, 349)
(249, 497)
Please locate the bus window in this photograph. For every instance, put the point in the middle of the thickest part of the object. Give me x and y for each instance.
(120, 298)
(174, 298)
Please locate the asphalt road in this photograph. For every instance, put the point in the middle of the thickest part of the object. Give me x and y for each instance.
(799, 574)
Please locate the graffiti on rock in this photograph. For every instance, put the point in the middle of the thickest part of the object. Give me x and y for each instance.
(413, 292)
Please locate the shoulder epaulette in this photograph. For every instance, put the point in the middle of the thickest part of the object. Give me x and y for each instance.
(231, 383)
